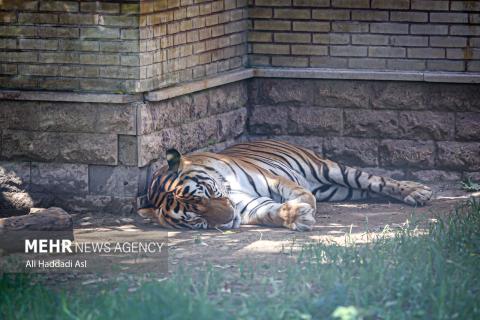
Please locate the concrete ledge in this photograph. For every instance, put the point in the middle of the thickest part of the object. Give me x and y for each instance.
(68, 96)
(345, 74)
(191, 87)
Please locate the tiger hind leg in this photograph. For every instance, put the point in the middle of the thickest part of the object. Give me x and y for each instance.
(295, 215)
(361, 184)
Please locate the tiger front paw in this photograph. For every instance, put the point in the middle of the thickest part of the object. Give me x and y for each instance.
(298, 216)
(415, 193)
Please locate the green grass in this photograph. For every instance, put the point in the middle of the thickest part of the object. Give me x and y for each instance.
(470, 186)
(433, 274)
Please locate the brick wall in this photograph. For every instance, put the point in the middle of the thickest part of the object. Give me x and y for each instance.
(118, 46)
(366, 34)
(189, 40)
(411, 130)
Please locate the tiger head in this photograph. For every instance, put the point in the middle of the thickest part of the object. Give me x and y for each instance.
(186, 194)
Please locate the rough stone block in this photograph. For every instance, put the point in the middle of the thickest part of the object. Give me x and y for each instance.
(371, 123)
(69, 117)
(225, 98)
(60, 147)
(15, 202)
(213, 129)
(427, 125)
(352, 151)
(315, 121)
(453, 97)
(407, 153)
(459, 155)
(283, 91)
(468, 126)
(153, 146)
(119, 181)
(200, 133)
(14, 176)
(268, 120)
(155, 116)
(58, 178)
(232, 124)
(432, 96)
(127, 150)
(342, 94)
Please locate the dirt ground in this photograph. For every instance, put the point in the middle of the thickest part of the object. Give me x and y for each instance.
(359, 221)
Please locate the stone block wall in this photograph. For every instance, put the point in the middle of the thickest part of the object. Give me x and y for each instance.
(364, 34)
(99, 156)
(415, 130)
(118, 46)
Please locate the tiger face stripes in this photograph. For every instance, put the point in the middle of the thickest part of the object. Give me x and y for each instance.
(266, 182)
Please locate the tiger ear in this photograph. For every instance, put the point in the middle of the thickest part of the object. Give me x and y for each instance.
(173, 159)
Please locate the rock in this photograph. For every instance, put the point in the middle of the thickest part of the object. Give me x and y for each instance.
(60, 146)
(284, 91)
(59, 178)
(14, 176)
(52, 223)
(315, 121)
(468, 126)
(342, 94)
(407, 153)
(459, 155)
(371, 123)
(352, 151)
(427, 125)
(115, 181)
(268, 120)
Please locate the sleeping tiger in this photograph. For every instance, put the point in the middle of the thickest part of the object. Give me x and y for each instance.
(269, 183)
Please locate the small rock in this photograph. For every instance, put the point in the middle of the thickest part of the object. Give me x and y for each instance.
(127, 220)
